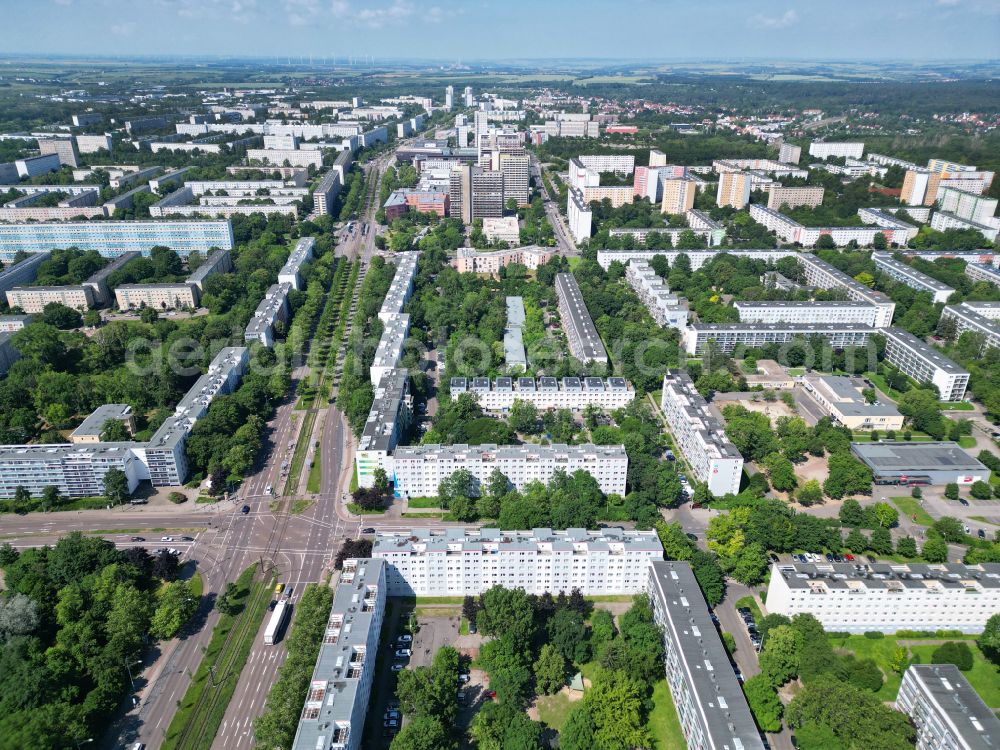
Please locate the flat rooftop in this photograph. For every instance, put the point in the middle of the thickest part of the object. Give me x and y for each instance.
(911, 458)
(915, 576)
(94, 423)
(924, 350)
(969, 716)
(845, 393)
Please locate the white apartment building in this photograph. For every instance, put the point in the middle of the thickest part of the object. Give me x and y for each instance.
(698, 258)
(728, 336)
(470, 260)
(821, 274)
(668, 310)
(789, 153)
(582, 338)
(979, 317)
(504, 229)
(273, 309)
(391, 411)
(778, 196)
(943, 221)
(789, 230)
(157, 296)
(824, 150)
(278, 157)
(546, 392)
(618, 163)
(333, 715)
(906, 274)
(807, 312)
(514, 356)
(12, 323)
(64, 148)
(947, 712)
(981, 272)
(579, 217)
(925, 364)
(401, 288)
(965, 205)
(300, 255)
(468, 562)
(711, 706)
(389, 351)
(887, 597)
(886, 219)
(699, 436)
(33, 299)
(419, 470)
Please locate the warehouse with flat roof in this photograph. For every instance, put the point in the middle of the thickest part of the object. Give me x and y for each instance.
(920, 463)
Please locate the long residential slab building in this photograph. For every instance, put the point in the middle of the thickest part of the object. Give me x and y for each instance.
(946, 710)
(911, 277)
(886, 597)
(667, 309)
(333, 715)
(547, 392)
(698, 258)
(419, 470)
(978, 317)
(807, 312)
(711, 707)
(821, 274)
(925, 364)
(581, 334)
(728, 336)
(700, 437)
(469, 561)
(390, 415)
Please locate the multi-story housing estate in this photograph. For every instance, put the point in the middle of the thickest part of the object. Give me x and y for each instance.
(273, 309)
(219, 261)
(579, 217)
(778, 196)
(943, 221)
(92, 427)
(945, 709)
(622, 164)
(886, 219)
(789, 230)
(668, 310)
(13, 323)
(982, 272)
(925, 364)
(33, 166)
(470, 260)
(8, 352)
(389, 351)
(886, 597)
(158, 296)
(698, 258)
(965, 205)
(91, 144)
(23, 272)
(824, 150)
(727, 336)
(290, 273)
(821, 274)
(699, 435)
(711, 707)
(112, 238)
(475, 193)
(979, 317)
(333, 715)
(546, 392)
(401, 288)
(419, 470)
(734, 189)
(906, 274)
(516, 171)
(807, 312)
(841, 398)
(582, 337)
(789, 153)
(467, 562)
(920, 187)
(388, 419)
(33, 299)
(678, 196)
(64, 148)
(616, 195)
(294, 157)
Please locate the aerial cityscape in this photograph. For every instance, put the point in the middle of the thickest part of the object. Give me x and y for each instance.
(394, 377)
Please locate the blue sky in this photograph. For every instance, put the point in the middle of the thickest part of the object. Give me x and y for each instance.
(505, 29)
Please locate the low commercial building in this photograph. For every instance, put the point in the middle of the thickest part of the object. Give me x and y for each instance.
(390, 415)
(887, 597)
(547, 392)
(91, 428)
(470, 260)
(33, 299)
(582, 338)
(727, 336)
(401, 288)
(578, 215)
(713, 712)
(700, 437)
(947, 712)
(841, 398)
(273, 309)
(157, 296)
(468, 562)
(906, 274)
(333, 716)
(514, 356)
(778, 196)
(300, 255)
(389, 351)
(807, 312)
(920, 463)
(822, 275)
(979, 317)
(770, 376)
(504, 229)
(843, 149)
(668, 310)
(925, 364)
(419, 470)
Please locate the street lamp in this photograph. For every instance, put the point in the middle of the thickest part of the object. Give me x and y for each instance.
(82, 742)
(128, 668)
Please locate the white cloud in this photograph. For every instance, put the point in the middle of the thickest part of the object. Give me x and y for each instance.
(398, 10)
(786, 19)
(125, 28)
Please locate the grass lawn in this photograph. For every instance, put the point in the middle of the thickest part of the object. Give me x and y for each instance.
(861, 436)
(749, 601)
(315, 473)
(463, 627)
(422, 515)
(912, 507)
(423, 502)
(984, 676)
(983, 519)
(880, 383)
(196, 586)
(300, 505)
(610, 598)
(553, 710)
(354, 480)
(439, 600)
(206, 500)
(359, 511)
(574, 260)
(663, 722)
(796, 372)
(966, 441)
(956, 406)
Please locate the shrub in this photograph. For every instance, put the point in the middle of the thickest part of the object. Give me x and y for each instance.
(177, 498)
(874, 635)
(953, 652)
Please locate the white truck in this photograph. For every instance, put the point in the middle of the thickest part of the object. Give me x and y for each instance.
(277, 623)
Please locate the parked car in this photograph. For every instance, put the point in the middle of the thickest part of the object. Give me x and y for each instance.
(463, 678)
(472, 628)
(849, 557)
(829, 557)
(391, 715)
(405, 638)
(187, 538)
(272, 605)
(982, 534)
(398, 667)
(245, 509)
(173, 551)
(402, 653)
(390, 723)
(963, 501)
